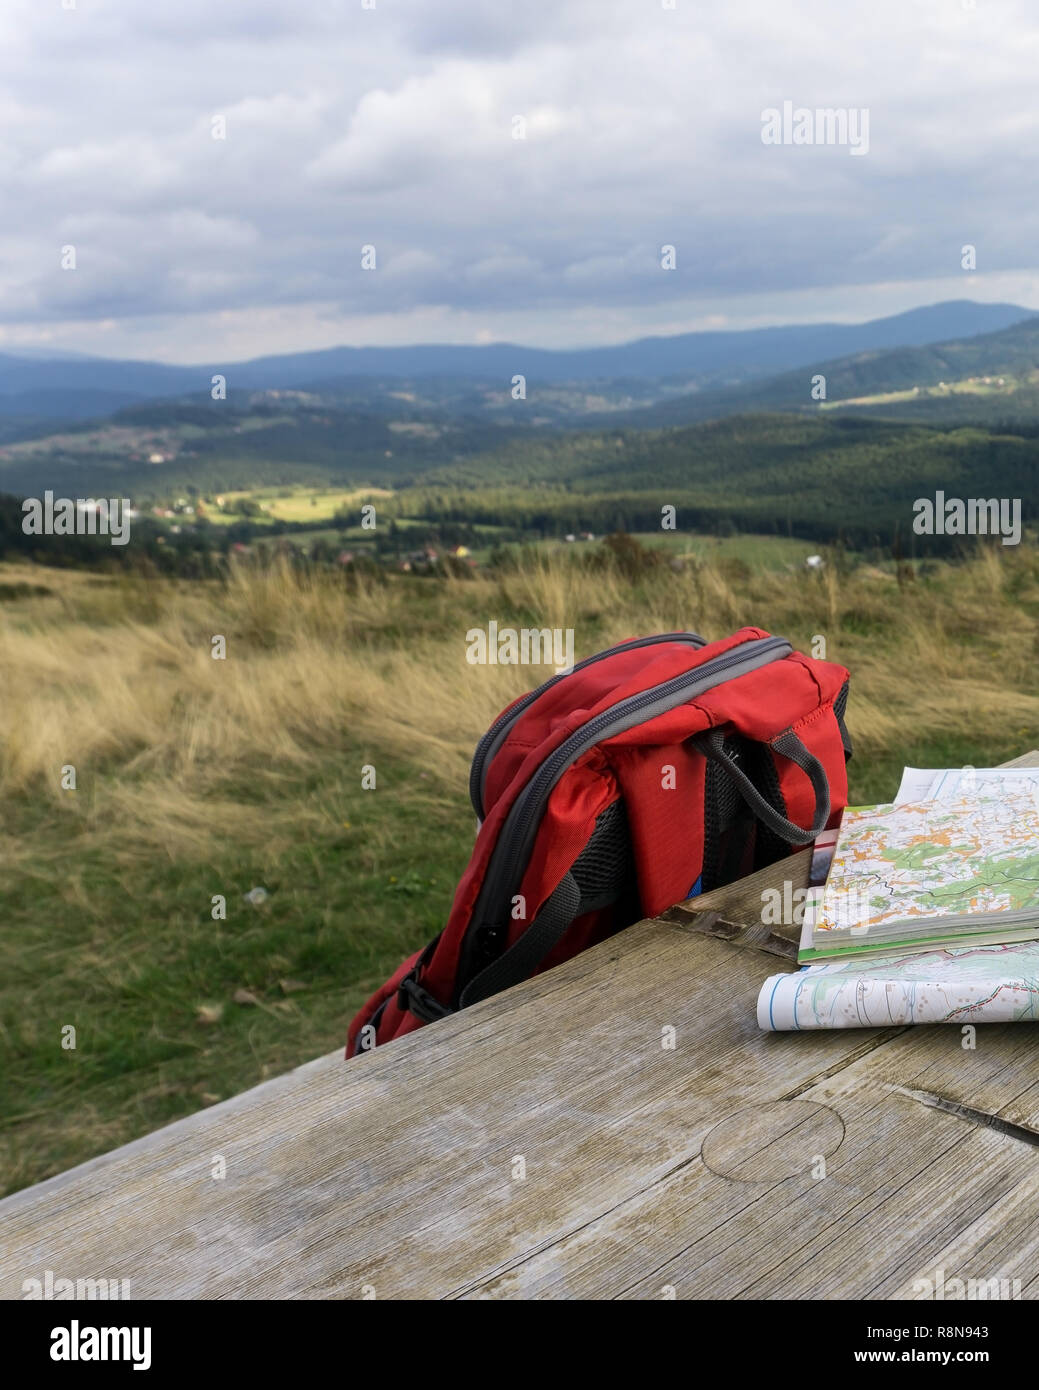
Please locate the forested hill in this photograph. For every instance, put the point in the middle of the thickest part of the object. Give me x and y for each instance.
(165, 446)
(819, 476)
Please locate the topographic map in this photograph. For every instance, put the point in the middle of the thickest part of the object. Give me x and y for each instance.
(973, 854)
(958, 841)
(979, 984)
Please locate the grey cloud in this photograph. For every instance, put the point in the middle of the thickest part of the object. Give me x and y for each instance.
(393, 126)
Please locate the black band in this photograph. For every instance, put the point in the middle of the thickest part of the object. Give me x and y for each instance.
(525, 955)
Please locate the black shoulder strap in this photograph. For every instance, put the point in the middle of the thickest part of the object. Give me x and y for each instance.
(524, 956)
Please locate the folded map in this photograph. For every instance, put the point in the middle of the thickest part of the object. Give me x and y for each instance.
(917, 875)
(986, 984)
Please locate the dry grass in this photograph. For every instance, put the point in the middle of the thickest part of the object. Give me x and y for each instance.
(118, 680)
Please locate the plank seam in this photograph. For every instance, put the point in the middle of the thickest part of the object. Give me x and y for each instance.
(1022, 1133)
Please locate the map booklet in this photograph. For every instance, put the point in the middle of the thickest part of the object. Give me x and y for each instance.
(956, 870)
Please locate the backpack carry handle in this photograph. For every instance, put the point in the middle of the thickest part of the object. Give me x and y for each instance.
(712, 744)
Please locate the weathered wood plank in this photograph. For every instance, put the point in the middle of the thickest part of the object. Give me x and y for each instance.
(906, 1189)
(1029, 759)
(397, 1169)
(650, 1157)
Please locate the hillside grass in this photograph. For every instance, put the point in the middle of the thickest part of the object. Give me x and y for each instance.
(197, 777)
(765, 552)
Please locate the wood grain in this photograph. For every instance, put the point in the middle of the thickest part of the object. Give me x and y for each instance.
(616, 1128)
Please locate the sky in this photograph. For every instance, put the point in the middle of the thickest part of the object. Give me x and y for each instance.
(518, 167)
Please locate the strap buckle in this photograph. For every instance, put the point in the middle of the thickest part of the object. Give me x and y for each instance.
(413, 998)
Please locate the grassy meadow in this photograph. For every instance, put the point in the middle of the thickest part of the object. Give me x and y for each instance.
(198, 777)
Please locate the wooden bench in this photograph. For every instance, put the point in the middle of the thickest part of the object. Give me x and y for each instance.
(552, 1143)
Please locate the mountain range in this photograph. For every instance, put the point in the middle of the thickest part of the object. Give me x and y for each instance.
(34, 388)
(281, 425)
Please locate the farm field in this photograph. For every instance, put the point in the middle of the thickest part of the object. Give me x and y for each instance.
(972, 386)
(298, 504)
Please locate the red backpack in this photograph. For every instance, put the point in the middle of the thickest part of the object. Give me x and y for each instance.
(657, 770)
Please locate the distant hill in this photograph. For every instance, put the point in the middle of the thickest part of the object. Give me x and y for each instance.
(768, 452)
(818, 477)
(74, 388)
(148, 450)
(709, 353)
(83, 388)
(1011, 352)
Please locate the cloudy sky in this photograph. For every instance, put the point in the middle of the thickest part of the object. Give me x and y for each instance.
(392, 123)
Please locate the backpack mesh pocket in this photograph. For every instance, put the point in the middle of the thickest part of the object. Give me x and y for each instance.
(605, 868)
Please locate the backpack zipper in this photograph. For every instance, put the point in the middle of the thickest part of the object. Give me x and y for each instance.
(517, 833)
(499, 730)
